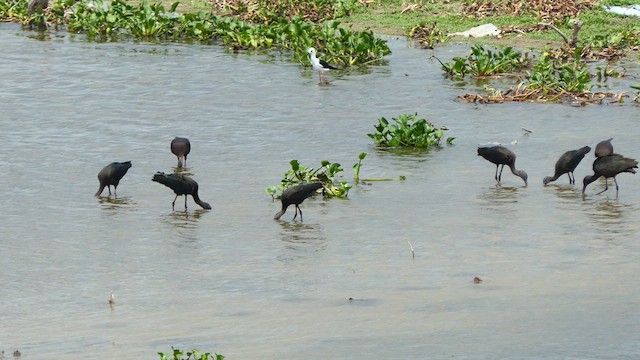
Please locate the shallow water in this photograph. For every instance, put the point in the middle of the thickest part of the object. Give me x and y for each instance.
(559, 270)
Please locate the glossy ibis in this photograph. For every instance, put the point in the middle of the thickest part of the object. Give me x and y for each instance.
(566, 164)
(111, 175)
(500, 155)
(181, 185)
(295, 195)
(320, 66)
(181, 147)
(604, 148)
(610, 166)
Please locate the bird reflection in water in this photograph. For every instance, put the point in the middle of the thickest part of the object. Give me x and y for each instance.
(500, 195)
(301, 239)
(502, 200)
(183, 225)
(609, 218)
(567, 192)
(184, 219)
(112, 203)
(608, 211)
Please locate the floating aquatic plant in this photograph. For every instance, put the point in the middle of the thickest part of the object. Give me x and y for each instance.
(406, 130)
(117, 19)
(178, 354)
(483, 62)
(328, 174)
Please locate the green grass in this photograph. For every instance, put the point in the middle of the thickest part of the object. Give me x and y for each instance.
(396, 17)
(385, 17)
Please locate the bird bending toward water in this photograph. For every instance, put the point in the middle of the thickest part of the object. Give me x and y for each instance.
(610, 166)
(566, 164)
(320, 66)
(604, 148)
(295, 195)
(111, 175)
(181, 147)
(181, 185)
(500, 155)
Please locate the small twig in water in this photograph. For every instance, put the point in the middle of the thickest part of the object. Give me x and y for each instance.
(413, 254)
(527, 130)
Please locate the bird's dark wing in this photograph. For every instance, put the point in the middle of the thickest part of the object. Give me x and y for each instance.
(327, 66)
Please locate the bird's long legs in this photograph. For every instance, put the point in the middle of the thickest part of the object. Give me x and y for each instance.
(296, 215)
(571, 180)
(173, 204)
(323, 79)
(606, 186)
(499, 175)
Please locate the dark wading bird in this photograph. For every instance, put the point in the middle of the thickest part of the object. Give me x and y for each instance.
(111, 175)
(604, 148)
(566, 164)
(295, 195)
(181, 147)
(500, 155)
(319, 65)
(181, 185)
(610, 166)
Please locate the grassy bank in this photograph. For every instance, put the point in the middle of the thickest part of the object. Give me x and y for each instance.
(519, 20)
(571, 32)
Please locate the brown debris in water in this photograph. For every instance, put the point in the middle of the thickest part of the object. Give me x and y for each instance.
(524, 94)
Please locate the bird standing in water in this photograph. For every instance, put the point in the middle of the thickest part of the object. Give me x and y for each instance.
(295, 195)
(181, 185)
(319, 65)
(500, 155)
(610, 166)
(111, 175)
(566, 164)
(181, 147)
(604, 148)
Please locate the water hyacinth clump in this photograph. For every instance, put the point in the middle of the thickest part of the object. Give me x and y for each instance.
(483, 62)
(406, 130)
(108, 21)
(328, 174)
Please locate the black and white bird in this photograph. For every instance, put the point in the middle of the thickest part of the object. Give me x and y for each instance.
(319, 65)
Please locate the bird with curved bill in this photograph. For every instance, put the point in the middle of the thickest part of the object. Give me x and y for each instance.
(111, 175)
(566, 164)
(609, 167)
(502, 156)
(295, 195)
(181, 185)
(181, 147)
